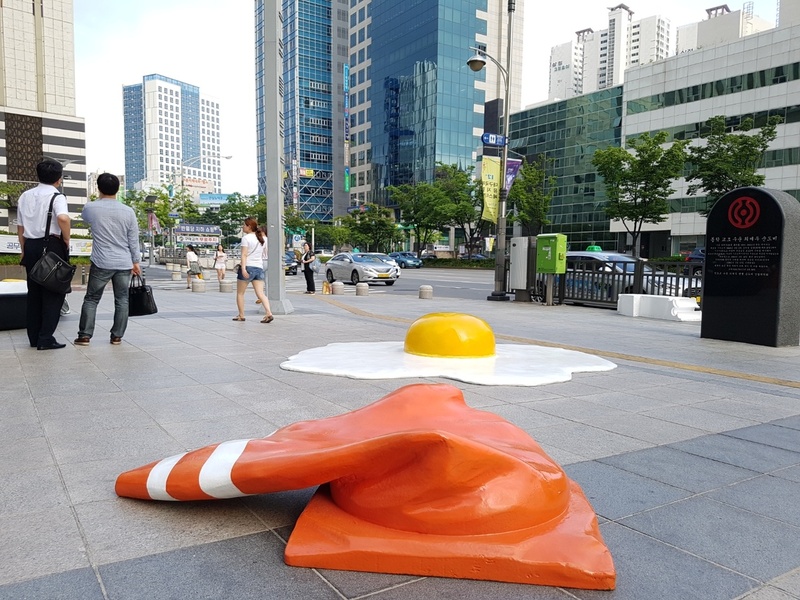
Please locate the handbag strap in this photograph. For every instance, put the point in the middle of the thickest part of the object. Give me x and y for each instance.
(49, 220)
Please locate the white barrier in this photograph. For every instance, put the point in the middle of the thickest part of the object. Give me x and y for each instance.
(668, 308)
(362, 289)
(425, 292)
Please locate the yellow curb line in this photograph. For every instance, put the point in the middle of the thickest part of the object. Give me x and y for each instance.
(602, 353)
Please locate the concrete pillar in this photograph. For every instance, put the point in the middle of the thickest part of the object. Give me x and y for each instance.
(362, 289)
(184, 269)
(425, 292)
(337, 288)
(176, 276)
(226, 286)
(198, 285)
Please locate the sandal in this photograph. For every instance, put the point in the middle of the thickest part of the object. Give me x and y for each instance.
(238, 318)
(268, 319)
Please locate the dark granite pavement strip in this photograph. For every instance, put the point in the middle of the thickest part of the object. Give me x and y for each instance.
(770, 434)
(244, 568)
(772, 497)
(790, 422)
(614, 493)
(739, 452)
(649, 569)
(679, 469)
(71, 585)
(748, 543)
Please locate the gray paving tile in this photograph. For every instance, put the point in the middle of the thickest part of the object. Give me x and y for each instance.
(40, 543)
(646, 428)
(650, 569)
(770, 435)
(773, 497)
(580, 409)
(122, 529)
(585, 440)
(679, 469)
(739, 452)
(74, 445)
(79, 583)
(768, 593)
(790, 582)
(246, 568)
(748, 543)
(18, 455)
(615, 493)
(468, 589)
(745, 410)
(699, 419)
(32, 490)
(790, 473)
(790, 422)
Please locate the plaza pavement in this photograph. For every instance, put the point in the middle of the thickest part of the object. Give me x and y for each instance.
(689, 451)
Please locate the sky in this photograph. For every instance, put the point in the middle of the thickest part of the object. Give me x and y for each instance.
(210, 44)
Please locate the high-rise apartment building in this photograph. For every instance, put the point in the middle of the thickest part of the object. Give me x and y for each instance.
(377, 92)
(597, 60)
(172, 135)
(720, 27)
(37, 98)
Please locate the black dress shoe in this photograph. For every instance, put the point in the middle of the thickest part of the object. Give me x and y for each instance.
(51, 346)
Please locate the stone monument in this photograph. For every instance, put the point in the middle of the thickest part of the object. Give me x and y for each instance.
(751, 277)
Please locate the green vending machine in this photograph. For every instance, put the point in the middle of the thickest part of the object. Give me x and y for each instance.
(551, 260)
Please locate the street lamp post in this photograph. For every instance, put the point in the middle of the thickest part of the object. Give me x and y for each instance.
(476, 63)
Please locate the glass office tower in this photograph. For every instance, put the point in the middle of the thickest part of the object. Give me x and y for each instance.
(412, 98)
(567, 133)
(314, 54)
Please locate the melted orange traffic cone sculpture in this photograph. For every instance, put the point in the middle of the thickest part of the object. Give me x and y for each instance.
(418, 483)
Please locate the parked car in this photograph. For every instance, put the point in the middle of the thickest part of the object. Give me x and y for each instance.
(357, 267)
(602, 276)
(290, 262)
(406, 259)
(472, 257)
(695, 261)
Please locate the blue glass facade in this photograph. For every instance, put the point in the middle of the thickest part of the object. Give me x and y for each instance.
(422, 93)
(567, 133)
(133, 118)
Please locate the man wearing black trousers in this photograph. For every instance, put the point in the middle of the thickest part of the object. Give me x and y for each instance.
(43, 306)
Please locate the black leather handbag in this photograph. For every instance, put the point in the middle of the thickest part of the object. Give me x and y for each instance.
(51, 271)
(140, 298)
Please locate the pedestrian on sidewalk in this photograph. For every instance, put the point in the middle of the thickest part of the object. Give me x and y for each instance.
(115, 256)
(192, 265)
(43, 306)
(307, 260)
(251, 270)
(264, 255)
(219, 262)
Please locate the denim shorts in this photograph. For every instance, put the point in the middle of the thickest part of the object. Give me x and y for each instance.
(255, 274)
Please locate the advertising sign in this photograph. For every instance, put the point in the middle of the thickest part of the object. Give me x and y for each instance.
(490, 176)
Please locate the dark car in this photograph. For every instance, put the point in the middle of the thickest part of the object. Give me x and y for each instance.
(472, 257)
(406, 259)
(290, 263)
(695, 262)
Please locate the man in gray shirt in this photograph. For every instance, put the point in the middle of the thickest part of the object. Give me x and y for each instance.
(115, 256)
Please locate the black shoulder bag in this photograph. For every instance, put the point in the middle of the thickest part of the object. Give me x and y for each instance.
(51, 271)
(140, 298)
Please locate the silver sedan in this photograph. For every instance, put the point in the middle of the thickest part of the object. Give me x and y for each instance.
(358, 267)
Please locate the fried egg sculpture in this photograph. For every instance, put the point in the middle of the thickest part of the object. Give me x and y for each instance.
(415, 483)
(451, 345)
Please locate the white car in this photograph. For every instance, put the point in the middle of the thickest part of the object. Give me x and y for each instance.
(358, 267)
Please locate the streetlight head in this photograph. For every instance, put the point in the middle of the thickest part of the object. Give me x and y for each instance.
(476, 62)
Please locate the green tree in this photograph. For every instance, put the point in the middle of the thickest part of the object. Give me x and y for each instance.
(9, 193)
(333, 235)
(423, 208)
(638, 183)
(374, 228)
(465, 200)
(729, 160)
(294, 223)
(232, 214)
(530, 196)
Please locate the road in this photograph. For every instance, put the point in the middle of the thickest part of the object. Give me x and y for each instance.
(447, 283)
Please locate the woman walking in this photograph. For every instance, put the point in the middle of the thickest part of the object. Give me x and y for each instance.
(193, 265)
(308, 258)
(219, 262)
(251, 269)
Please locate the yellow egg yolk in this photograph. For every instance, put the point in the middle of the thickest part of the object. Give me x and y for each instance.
(450, 335)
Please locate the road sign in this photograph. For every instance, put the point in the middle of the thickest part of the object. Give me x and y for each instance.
(173, 215)
(493, 139)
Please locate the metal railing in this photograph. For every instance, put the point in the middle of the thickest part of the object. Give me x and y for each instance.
(600, 283)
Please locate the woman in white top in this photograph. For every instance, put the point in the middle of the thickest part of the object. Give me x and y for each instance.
(219, 262)
(251, 270)
(193, 265)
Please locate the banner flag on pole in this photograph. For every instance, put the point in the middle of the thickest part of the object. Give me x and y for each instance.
(153, 223)
(490, 176)
(512, 168)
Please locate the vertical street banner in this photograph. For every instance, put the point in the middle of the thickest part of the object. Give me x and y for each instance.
(490, 177)
(512, 168)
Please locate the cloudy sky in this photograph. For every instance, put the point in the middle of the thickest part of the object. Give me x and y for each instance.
(210, 44)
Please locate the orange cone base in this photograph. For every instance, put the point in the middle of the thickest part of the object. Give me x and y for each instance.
(567, 553)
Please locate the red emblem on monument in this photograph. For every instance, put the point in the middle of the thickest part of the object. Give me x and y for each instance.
(744, 212)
